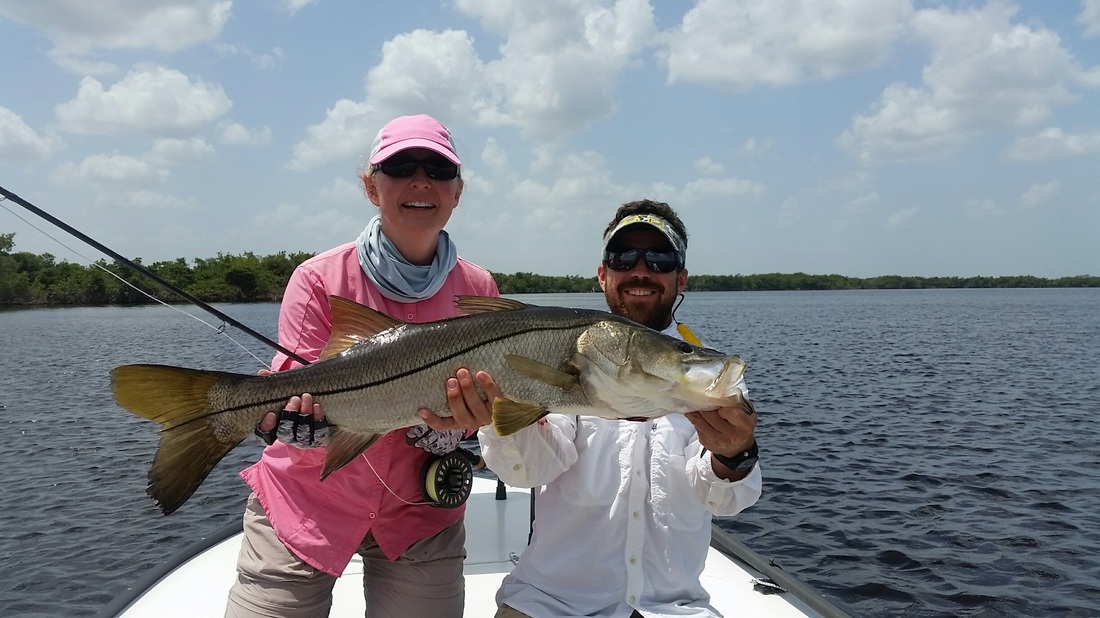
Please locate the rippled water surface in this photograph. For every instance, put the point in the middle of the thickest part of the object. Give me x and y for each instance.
(925, 453)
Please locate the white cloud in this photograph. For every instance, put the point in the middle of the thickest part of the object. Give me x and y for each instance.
(711, 188)
(20, 142)
(148, 100)
(144, 199)
(346, 132)
(1054, 143)
(790, 213)
(316, 228)
(1039, 193)
(850, 182)
(745, 43)
(560, 64)
(113, 169)
(754, 146)
(982, 208)
(900, 218)
(708, 167)
(986, 73)
(420, 72)
(557, 73)
(1090, 17)
(174, 151)
(495, 157)
(119, 172)
(862, 204)
(267, 60)
(435, 72)
(236, 134)
(78, 27)
(293, 6)
(342, 191)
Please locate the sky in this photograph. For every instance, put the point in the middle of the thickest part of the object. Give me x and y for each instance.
(851, 137)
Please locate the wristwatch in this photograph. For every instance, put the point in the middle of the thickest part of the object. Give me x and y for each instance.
(741, 461)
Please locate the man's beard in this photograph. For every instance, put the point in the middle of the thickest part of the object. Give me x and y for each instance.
(655, 315)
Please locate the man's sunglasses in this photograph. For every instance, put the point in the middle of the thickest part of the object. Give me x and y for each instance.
(437, 168)
(656, 261)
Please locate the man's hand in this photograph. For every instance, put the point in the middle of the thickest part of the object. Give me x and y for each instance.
(470, 407)
(727, 431)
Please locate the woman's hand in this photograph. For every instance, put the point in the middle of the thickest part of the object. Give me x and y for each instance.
(300, 423)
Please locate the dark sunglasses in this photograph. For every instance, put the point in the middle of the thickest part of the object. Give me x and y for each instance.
(437, 168)
(656, 261)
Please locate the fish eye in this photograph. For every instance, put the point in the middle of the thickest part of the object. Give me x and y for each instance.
(685, 347)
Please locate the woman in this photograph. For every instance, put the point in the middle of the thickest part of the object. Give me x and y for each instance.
(300, 532)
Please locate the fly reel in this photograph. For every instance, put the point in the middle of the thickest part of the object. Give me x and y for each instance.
(447, 480)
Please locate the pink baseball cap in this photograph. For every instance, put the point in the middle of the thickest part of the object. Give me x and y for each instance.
(406, 132)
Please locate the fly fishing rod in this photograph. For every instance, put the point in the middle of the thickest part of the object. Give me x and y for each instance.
(144, 271)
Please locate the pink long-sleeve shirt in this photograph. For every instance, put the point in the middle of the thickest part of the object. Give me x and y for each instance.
(325, 522)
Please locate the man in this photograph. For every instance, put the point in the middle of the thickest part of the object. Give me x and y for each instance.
(622, 509)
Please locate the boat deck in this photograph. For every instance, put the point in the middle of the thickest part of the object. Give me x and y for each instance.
(496, 533)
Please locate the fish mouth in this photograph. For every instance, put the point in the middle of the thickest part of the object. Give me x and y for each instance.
(723, 383)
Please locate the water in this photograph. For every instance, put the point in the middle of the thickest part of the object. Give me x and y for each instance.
(925, 453)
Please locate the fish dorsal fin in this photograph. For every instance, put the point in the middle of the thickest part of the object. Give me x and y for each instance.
(353, 323)
(471, 305)
(542, 372)
(344, 446)
(510, 416)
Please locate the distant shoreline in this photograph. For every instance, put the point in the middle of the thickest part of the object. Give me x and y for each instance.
(28, 279)
(527, 283)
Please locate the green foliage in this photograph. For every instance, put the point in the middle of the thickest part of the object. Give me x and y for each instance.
(29, 279)
(529, 283)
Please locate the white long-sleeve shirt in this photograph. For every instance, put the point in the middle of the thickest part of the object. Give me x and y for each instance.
(622, 515)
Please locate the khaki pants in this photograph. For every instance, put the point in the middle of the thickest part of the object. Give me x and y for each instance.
(272, 582)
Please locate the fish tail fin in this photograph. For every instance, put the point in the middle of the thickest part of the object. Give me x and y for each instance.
(510, 416)
(192, 440)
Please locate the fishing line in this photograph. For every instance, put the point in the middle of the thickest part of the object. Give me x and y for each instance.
(383, 481)
(8, 195)
(218, 329)
(445, 480)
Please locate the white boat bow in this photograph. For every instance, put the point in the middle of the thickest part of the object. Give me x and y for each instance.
(740, 582)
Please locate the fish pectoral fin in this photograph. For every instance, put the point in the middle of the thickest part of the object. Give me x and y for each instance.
(344, 446)
(510, 416)
(472, 305)
(353, 323)
(541, 371)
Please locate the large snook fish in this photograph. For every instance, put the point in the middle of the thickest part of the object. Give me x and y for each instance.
(376, 373)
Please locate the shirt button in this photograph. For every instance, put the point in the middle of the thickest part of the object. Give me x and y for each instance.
(711, 503)
(633, 599)
(410, 316)
(517, 467)
(372, 515)
(389, 440)
(632, 561)
(637, 473)
(635, 514)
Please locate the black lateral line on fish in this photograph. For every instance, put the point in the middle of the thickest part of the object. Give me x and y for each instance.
(360, 386)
